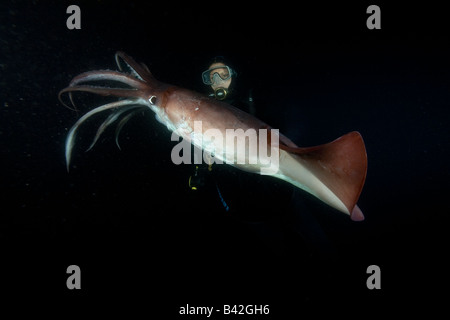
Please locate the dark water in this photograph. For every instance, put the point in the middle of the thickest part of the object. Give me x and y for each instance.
(144, 241)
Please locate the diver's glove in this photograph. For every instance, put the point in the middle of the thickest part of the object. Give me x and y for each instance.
(198, 179)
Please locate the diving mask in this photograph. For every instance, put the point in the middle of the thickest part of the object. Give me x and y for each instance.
(217, 75)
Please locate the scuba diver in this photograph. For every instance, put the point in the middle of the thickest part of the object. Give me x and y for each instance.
(220, 79)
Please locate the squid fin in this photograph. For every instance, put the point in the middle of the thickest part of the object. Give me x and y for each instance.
(334, 172)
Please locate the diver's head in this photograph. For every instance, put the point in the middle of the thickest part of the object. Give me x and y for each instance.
(219, 76)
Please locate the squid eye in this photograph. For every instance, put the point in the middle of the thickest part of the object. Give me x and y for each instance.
(152, 99)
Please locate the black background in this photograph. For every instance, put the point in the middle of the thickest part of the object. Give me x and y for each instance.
(127, 218)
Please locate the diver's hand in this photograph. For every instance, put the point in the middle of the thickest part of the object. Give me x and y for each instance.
(197, 180)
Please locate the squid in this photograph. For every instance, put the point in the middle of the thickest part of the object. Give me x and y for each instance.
(334, 172)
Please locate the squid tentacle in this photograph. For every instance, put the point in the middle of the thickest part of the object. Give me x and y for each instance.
(108, 75)
(138, 79)
(139, 71)
(72, 132)
(102, 75)
(104, 91)
(111, 119)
